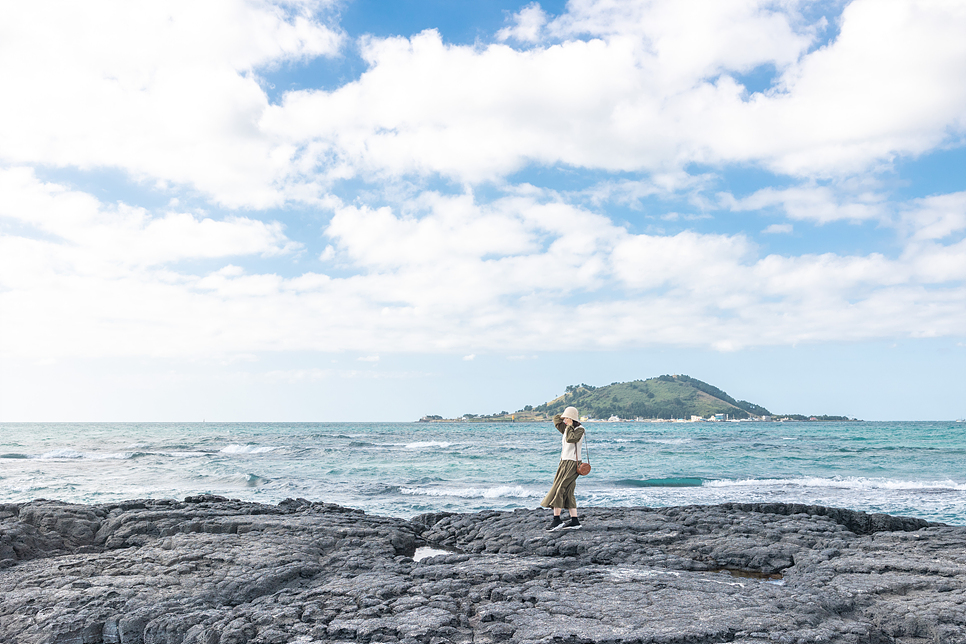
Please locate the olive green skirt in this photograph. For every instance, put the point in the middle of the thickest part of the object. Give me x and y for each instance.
(561, 494)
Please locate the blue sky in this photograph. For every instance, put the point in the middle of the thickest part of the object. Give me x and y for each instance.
(365, 210)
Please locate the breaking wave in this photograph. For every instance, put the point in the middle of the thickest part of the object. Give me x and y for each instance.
(246, 449)
(842, 483)
(500, 491)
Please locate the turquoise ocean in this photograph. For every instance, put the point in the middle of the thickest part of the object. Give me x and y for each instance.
(402, 469)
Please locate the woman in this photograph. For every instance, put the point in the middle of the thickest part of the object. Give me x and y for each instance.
(561, 494)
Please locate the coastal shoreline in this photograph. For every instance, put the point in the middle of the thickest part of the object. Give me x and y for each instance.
(211, 570)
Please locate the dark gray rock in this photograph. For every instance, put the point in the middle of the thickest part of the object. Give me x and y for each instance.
(212, 570)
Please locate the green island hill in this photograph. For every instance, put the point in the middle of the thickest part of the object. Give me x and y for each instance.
(667, 397)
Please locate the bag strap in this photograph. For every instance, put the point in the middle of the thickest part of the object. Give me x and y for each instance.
(586, 446)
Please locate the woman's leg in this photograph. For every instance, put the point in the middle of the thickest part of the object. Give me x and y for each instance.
(574, 523)
(556, 523)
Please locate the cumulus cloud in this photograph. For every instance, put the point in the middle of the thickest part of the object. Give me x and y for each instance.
(689, 39)
(176, 100)
(171, 93)
(645, 86)
(166, 92)
(87, 278)
(124, 235)
(527, 24)
(447, 273)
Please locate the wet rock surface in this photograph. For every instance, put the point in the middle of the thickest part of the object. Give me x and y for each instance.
(216, 571)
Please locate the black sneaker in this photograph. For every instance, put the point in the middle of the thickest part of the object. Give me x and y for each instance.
(573, 524)
(555, 524)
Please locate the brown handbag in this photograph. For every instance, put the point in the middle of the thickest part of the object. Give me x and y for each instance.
(584, 468)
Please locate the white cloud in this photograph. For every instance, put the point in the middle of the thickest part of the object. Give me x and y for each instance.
(778, 229)
(692, 39)
(894, 82)
(935, 217)
(918, 220)
(934, 263)
(469, 357)
(299, 375)
(527, 26)
(819, 204)
(124, 235)
(92, 279)
(292, 376)
(166, 91)
(631, 193)
(706, 263)
(171, 95)
(520, 274)
(651, 90)
(676, 216)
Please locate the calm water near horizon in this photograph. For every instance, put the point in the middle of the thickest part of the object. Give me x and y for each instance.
(402, 469)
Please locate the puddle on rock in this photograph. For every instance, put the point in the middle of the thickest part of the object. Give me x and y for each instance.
(425, 552)
(771, 577)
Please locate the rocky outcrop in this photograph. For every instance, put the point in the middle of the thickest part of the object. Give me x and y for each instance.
(217, 571)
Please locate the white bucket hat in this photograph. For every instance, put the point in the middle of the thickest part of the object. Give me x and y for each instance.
(571, 413)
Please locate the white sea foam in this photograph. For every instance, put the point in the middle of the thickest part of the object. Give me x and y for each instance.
(243, 480)
(93, 456)
(427, 444)
(62, 453)
(841, 483)
(501, 491)
(247, 449)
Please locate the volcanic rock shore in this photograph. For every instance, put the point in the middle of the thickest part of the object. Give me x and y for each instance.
(217, 571)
